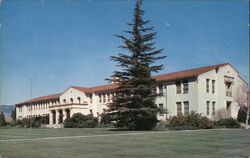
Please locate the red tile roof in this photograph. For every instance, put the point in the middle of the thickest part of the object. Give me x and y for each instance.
(165, 77)
(97, 88)
(44, 98)
(187, 73)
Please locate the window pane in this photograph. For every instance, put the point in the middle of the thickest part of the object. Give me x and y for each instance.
(178, 87)
(185, 87)
(207, 85)
(213, 86)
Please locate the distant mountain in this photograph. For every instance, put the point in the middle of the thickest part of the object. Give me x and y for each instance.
(7, 109)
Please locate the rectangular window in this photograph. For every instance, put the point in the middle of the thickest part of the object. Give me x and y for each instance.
(178, 87)
(229, 89)
(90, 98)
(185, 87)
(179, 111)
(213, 86)
(154, 91)
(207, 85)
(161, 109)
(186, 108)
(104, 110)
(100, 98)
(161, 90)
(108, 98)
(213, 108)
(104, 98)
(208, 102)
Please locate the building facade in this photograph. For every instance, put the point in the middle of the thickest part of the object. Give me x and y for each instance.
(205, 90)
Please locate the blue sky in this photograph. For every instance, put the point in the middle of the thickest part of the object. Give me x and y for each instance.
(59, 43)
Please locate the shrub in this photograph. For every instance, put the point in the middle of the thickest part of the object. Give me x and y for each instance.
(34, 122)
(221, 114)
(227, 123)
(105, 118)
(191, 121)
(242, 115)
(79, 120)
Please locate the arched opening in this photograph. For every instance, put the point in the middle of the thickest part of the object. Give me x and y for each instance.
(60, 119)
(64, 101)
(71, 100)
(54, 117)
(67, 113)
(79, 100)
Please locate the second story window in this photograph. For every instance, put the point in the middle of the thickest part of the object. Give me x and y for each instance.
(160, 89)
(178, 87)
(185, 87)
(228, 89)
(90, 97)
(213, 86)
(108, 97)
(100, 98)
(207, 85)
(104, 98)
(79, 100)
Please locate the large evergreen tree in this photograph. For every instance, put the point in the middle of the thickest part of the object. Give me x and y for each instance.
(133, 105)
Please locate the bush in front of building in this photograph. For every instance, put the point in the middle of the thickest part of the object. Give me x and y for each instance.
(79, 120)
(191, 121)
(34, 122)
(227, 123)
(242, 115)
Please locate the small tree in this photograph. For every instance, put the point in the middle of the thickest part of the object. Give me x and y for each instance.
(248, 110)
(2, 119)
(134, 106)
(13, 115)
(243, 100)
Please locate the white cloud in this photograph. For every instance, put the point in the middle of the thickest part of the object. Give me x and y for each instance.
(167, 24)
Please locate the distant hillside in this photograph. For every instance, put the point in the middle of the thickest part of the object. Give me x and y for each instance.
(7, 109)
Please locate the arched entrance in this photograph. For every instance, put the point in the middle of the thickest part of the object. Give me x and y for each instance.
(53, 116)
(67, 113)
(60, 119)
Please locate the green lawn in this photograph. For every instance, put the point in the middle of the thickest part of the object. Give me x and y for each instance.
(202, 143)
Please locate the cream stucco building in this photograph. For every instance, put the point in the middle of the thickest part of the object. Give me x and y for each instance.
(204, 90)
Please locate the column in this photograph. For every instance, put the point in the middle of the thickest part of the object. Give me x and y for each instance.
(50, 117)
(64, 114)
(57, 116)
